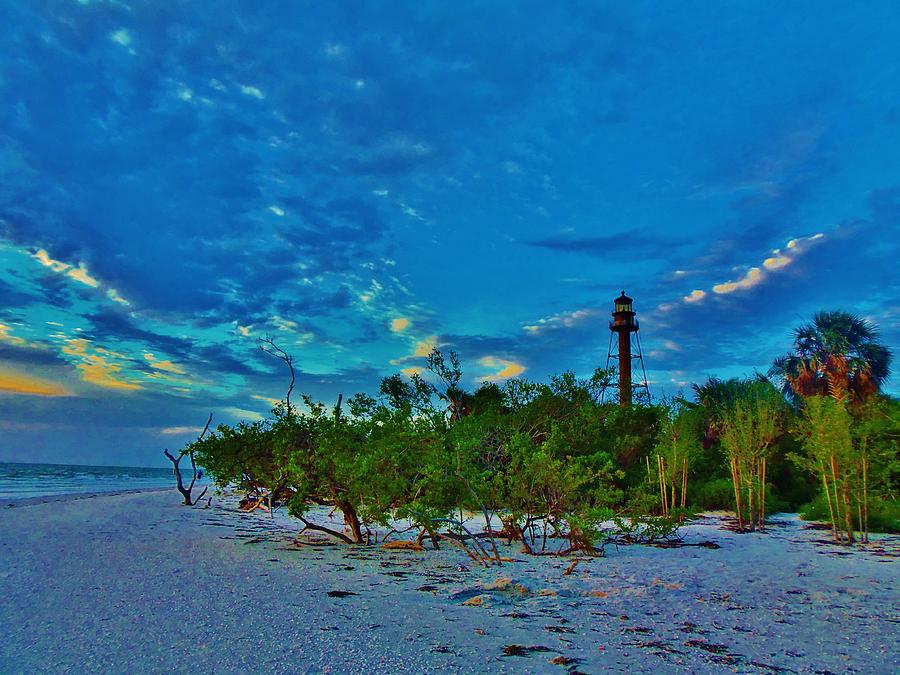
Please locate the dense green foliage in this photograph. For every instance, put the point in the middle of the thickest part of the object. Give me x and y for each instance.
(540, 460)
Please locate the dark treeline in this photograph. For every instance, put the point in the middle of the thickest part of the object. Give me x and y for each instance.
(551, 460)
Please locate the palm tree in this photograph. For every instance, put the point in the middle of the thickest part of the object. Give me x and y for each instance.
(838, 354)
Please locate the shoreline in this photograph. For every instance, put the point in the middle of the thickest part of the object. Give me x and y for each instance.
(10, 502)
(135, 581)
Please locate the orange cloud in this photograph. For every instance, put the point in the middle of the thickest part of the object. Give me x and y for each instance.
(399, 324)
(79, 274)
(268, 399)
(424, 347)
(752, 278)
(17, 383)
(96, 369)
(507, 369)
(7, 336)
(164, 364)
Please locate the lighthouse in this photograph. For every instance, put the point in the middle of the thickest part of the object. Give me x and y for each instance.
(624, 325)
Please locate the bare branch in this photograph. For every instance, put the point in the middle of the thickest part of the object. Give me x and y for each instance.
(269, 347)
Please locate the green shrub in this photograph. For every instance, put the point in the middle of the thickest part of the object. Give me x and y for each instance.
(884, 514)
(715, 494)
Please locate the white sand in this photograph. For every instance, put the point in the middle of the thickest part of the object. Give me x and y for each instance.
(138, 583)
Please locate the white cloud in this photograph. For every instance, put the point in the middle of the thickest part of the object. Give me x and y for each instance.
(121, 37)
(114, 295)
(777, 260)
(250, 90)
(561, 320)
(334, 49)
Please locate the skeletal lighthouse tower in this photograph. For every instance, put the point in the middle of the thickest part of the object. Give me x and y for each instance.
(625, 325)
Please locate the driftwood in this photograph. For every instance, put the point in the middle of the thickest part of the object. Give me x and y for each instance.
(195, 474)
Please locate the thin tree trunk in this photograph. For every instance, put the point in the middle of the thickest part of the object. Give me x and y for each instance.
(762, 520)
(735, 479)
(834, 530)
(662, 486)
(840, 495)
(848, 512)
(751, 506)
(544, 539)
(487, 519)
(865, 518)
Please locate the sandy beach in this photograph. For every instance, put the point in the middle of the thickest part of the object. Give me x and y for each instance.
(136, 582)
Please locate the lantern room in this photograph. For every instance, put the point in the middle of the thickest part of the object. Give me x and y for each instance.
(623, 303)
(623, 316)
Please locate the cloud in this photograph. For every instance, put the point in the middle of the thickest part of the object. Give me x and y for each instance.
(165, 365)
(122, 37)
(694, 296)
(268, 399)
(421, 349)
(562, 320)
(505, 369)
(778, 260)
(283, 324)
(96, 365)
(17, 383)
(114, 295)
(7, 336)
(178, 431)
(424, 347)
(629, 241)
(399, 324)
(108, 323)
(243, 414)
(753, 276)
(250, 90)
(79, 274)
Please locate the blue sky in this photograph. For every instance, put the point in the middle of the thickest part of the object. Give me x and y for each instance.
(363, 181)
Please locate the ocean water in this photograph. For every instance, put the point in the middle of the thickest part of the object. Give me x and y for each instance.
(19, 481)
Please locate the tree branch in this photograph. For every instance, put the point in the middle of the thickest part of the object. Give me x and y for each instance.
(276, 351)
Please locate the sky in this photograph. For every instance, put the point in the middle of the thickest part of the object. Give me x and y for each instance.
(363, 181)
